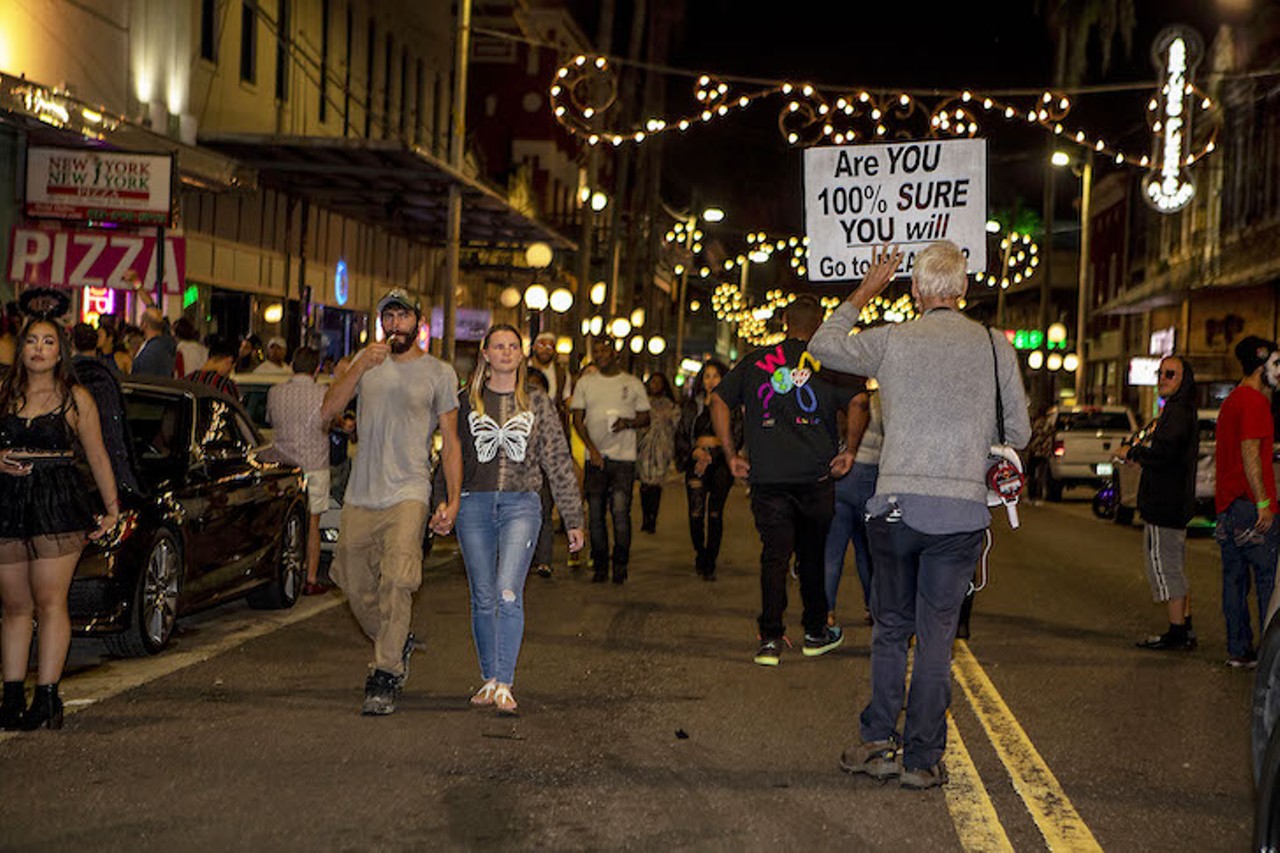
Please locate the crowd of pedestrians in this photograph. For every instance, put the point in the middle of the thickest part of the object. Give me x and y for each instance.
(836, 435)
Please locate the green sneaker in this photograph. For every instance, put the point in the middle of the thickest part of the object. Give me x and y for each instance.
(769, 652)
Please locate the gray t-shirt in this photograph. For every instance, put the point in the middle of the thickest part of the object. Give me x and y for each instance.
(399, 405)
(605, 399)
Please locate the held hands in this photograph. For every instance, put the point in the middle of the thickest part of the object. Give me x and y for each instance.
(577, 539)
(442, 520)
(883, 265)
(841, 464)
(739, 466)
(12, 466)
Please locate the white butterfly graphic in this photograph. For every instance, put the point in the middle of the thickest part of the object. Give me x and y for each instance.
(513, 436)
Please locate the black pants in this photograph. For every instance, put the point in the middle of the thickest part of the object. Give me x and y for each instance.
(609, 491)
(792, 519)
(707, 494)
(650, 500)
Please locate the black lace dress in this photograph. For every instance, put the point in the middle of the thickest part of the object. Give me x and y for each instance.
(51, 503)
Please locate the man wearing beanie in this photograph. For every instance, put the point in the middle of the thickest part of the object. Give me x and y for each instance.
(1245, 498)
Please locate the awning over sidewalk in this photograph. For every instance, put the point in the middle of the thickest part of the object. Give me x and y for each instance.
(386, 183)
(52, 117)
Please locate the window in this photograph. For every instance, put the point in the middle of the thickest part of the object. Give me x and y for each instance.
(283, 36)
(249, 42)
(386, 89)
(324, 59)
(368, 76)
(209, 30)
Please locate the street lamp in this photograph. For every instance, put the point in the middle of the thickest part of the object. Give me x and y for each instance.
(1082, 277)
(561, 300)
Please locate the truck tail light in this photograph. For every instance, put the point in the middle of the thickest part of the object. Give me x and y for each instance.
(1059, 448)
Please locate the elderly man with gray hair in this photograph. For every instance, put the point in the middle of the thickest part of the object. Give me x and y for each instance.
(938, 377)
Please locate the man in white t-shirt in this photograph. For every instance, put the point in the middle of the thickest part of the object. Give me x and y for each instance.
(403, 392)
(608, 407)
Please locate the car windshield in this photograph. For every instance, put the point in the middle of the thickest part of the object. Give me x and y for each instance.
(1092, 421)
(155, 427)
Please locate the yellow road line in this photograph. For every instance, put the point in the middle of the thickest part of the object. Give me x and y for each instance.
(972, 812)
(1059, 822)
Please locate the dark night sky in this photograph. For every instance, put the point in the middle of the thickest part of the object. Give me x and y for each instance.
(743, 163)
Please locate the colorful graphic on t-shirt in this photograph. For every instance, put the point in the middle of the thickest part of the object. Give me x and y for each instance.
(782, 380)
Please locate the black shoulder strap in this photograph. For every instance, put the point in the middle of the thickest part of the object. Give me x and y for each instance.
(995, 361)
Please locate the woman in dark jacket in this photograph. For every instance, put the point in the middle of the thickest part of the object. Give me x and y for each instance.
(1166, 499)
(707, 476)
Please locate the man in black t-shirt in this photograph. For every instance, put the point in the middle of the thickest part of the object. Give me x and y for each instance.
(790, 420)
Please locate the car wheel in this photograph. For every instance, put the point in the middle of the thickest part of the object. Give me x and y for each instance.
(1053, 490)
(1266, 820)
(291, 572)
(155, 602)
(1266, 696)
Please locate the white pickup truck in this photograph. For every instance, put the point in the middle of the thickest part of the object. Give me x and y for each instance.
(1085, 438)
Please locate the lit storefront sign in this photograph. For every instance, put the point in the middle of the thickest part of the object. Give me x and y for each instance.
(1032, 339)
(340, 283)
(1162, 342)
(95, 302)
(88, 257)
(88, 185)
(1168, 187)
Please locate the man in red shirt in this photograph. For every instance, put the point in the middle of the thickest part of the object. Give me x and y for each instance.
(1245, 498)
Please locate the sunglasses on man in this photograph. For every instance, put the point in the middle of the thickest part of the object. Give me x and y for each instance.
(1169, 374)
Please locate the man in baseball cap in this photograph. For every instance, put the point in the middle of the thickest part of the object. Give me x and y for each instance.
(275, 363)
(1245, 496)
(398, 296)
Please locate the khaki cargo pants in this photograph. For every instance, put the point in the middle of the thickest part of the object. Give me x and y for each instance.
(378, 564)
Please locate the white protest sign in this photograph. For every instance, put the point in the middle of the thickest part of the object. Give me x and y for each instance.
(910, 194)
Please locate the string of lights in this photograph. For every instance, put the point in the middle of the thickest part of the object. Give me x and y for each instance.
(585, 88)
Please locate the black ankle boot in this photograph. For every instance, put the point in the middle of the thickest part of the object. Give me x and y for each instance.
(45, 711)
(13, 706)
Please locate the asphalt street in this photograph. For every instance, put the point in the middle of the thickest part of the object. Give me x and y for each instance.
(644, 723)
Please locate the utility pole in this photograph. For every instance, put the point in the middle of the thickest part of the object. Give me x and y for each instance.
(457, 138)
(1045, 380)
(1082, 295)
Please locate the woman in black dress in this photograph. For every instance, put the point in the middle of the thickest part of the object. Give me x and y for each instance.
(707, 477)
(47, 514)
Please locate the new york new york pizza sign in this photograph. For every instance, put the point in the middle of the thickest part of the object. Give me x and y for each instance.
(90, 185)
(910, 194)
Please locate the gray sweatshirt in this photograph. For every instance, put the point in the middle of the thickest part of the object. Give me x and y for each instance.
(939, 400)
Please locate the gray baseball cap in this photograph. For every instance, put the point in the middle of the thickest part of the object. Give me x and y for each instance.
(401, 298)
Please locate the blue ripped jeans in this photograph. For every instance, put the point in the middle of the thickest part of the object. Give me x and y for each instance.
(497, 532)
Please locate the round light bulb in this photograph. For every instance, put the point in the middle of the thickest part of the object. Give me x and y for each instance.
(1056, 333)
(599, 291)
(538, 255)
(637, 344)
(1036, 360)
(273, 313)
(1071, 362)
(509, 298)
(561, 300)
(657, 345)
(637, 318)
(597, 325)
(599, 201)
(620, 327)
(536, 297)
(1054, 361)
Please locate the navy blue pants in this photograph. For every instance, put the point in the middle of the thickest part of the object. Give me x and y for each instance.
(917, 588)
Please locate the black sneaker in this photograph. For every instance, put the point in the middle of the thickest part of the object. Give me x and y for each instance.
(820, 644)
(379, 694)
(619, 574)
(599, 577)
(769, 653)
(1169, 641)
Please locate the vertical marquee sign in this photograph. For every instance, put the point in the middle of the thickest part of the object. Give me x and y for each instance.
(1176, 52)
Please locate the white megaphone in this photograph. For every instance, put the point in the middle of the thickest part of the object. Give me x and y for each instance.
(1005, 480)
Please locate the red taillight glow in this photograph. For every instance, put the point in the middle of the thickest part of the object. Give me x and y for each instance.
(1059, 449)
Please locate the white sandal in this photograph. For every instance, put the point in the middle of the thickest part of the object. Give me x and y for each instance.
(503, 699)
(484, 696)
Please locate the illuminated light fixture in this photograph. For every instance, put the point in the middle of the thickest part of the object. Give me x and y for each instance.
(637, 344)
(1070, 362)
(599, 291)
(713, 214)
(695, 306)
(586, 326)
(91, 116)
(561, 300)
(536, 298)
(538, 255)
(1168, 188)
(620, 327)
(1054, 362)
(564, 345)
(1036, 360)
(759, 257)
(993, 227)
(597, 325)
(599, 201)
(1056, 333)
(273, 313)
(509, 298)
(1060, 158)
(637, 318)
(657, 345)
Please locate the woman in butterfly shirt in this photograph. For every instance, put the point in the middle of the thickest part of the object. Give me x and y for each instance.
(512, 436)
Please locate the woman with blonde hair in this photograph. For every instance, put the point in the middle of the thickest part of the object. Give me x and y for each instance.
(47, 516)
(511, 437)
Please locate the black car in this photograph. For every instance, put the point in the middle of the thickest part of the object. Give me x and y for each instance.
(219, 520)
